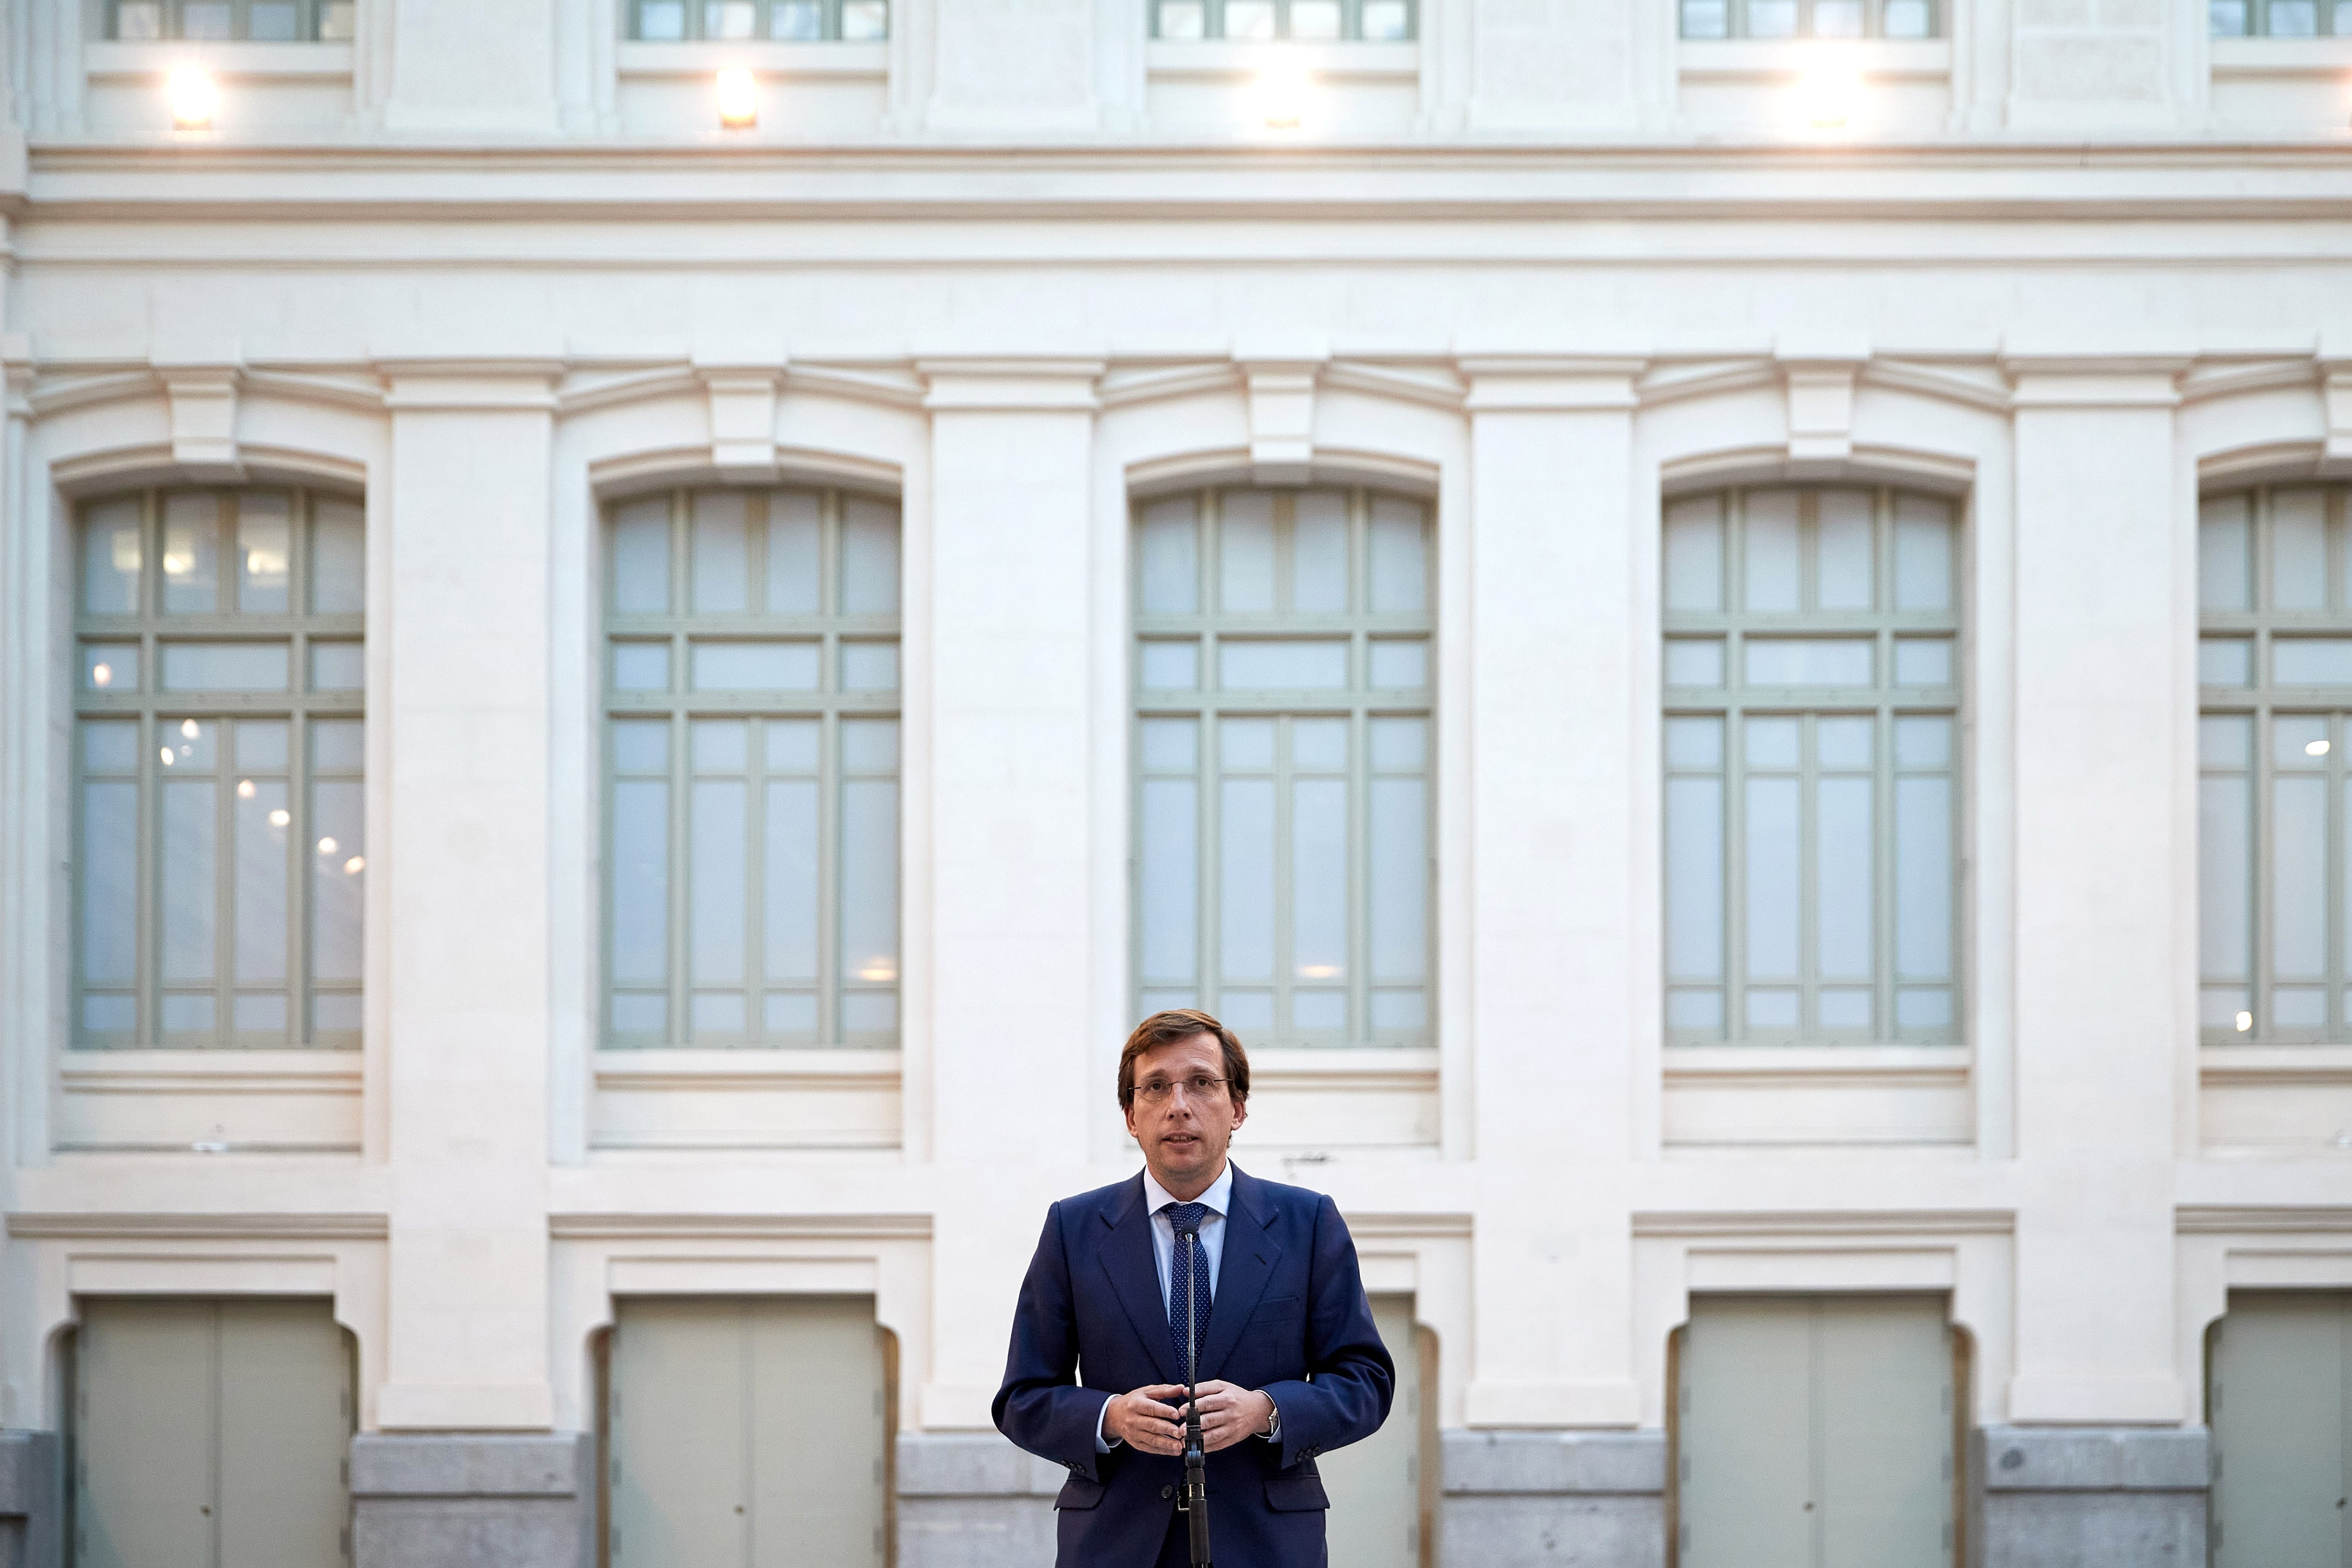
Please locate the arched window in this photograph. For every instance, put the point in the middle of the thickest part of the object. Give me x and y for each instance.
(220, 841)
(1812, 693)
(1283, 751)
(2274, 664)
(751, 691)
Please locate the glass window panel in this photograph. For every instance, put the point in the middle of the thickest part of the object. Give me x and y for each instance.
(1773, 742)
(1923, 742)
(1772, 18)
(186, 1014)
(793, 745)
(1245, 875)
(109, 666)
(1400, 744)
(1772, 558)
(716, 1015)
(273, 21)
(661, 21)
(337, 744)
(335, 21)
(641, 666)
(1249, 19)
(260, 807)
(1695, 878)
(108, 1013)
(798, 21)
(1318, 744)
(1400, 555)
(1694, 661)
(2224, 535)
(722, 552)
(1845, 1007)
(1772, 1009)
(2292, 19)
(1319, 878)
(865, 22)
(1808, 662)
(2342, 19)
(187, 882)
(1171, 743)
(1923, 1008)
(869, 558)
(2225, 1007)
(869, 666)
(138, 19)
(1171, 666)
(2224, 661)
(755, 666)
(338, 559)
(2299, 740)
(1168, 879)
(109, 861)
(1318, 539)
(1694, 743)
(1923, 878)
(2298, 876)
(338, 666)
(2227, 18)
(1252, 1010)
(1843, 830)
(1846, 742)
(1396, 1009)
(869, 745)
(638, 1013)
(1923, 661)
(1910, 19)
(641, 746)
(192, 554)
(1399, 894)
(730, 19)
(190, 746)
(2299, 1006)
(1245, 552)
(1923, 554)
(2312, 660)
(224, 666)
(793, 907)
(640, 918)
(1837, 18)
(870, 1013)
(795, 553)
(1318, 1009)
(2299, 549)
(869, 884)
(1688, 1008)
(790, 1012)
(641, 556)
(1843, 556)
(721, 746)
(715, 880)
(1399, 665)
(1184, 18)
(110, 555)
(109, 745)
(1246, 743)
(1171, 551)
(1246, 665)
(337, 872)
(2224, 742)
(1314, 18)
(1706, 19)
(1693, 554)
(1774, 878)
(205, 19)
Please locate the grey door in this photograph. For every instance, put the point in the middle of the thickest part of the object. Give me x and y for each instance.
(211, 1434)
(746, 1433)
(1376, 1486)
(1815, 1432)
(2282, 1418)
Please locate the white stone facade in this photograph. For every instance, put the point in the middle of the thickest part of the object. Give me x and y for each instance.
(2071, 264)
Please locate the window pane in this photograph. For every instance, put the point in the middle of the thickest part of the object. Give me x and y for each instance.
(1693, 554)
(641, 556)
(641, 746)
(338, 875)
(109, 666)
(864, 21)
(2292, 19)
(1923, 878)
(869, 880)
(720, 552)
(1400, 555)
(2299, 740)
(640, 921)
(1171, 743)
(1706, 19)
(273, 21)
(1245, 879)
(1250, 20)
(1811, 662)
(204, 19)
(138, 19)
(2224, 535)
(263, 829)
(1773, 877)
(1844, 1007)
(1772, 18)
(1847, 743)
(755, 666)
(187, 884)
(335, 21)
(1398, 895)
(2224, 870)
(641, 666)
(1314, 18)
(1318, 745)
(1170, 666)
(338, 666)
(1773, 742)
(2227, 18)
(793, 904)
(1923, 742)
(730, 18)
(1287, 665)
(1168, 879)
(1387, 21)
(1399, 665)
(2312, 660)
(224, 666)
(869, 558)
(1843, 830)
(869, 666)
(1320, 539)
(2298, 875)
(1771, 554)
(795, 547)
(1184, 18)
(1695, 662)
(661, 21)
(2298, 550)
(1246, 743)
(1170, 557)
(1909, 19)
(1837, 18)
(715, 880)
(1319, 878)
(110, 560)
(1693, 743)
(1923, 661)
(192, 554)
(109, 861)
(1245, 552)
(1923, 554)
(800, 21)
(2224, 661)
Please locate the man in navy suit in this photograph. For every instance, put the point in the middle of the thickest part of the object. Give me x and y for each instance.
(1094, 1380)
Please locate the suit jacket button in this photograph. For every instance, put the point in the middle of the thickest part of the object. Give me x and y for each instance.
(1167, 1492)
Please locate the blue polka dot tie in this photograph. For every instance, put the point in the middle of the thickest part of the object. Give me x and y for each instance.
(1187, 1285)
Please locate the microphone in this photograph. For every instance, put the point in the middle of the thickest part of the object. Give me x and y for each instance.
(1195, 1503)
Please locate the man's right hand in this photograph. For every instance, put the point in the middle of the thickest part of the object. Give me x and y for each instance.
(1142, 1421)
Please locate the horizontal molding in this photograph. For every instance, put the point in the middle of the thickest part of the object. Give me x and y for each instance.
(1826, 1223)
(2302, 1066)
(2265, 1219)
(1854, 1065)
(761, 57)
(156, 1226)
(1217, 59)
(740, 1226)
(107, 59)
(1390, 1227)
(209, 1073)
(706, 1069)
(1874, 60)
(1393, 1067)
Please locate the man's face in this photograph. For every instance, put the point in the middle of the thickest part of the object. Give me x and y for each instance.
(1185, 1134)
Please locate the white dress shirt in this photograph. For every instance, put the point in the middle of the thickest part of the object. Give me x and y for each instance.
(1218, 1199)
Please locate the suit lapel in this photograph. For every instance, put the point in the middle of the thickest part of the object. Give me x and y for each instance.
(1134, 1273)
(1252, 1249)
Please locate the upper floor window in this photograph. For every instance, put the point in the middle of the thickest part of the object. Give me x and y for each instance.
(1284, 755)
(789, 21)
(2275, 794)
(249, 21)
(751, 691)
(1253, 21)
(220, 834)
(1812, 704)
(1811, 18)
(2280, 18)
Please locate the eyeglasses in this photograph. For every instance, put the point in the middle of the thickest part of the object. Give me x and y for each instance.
(1158, 1088)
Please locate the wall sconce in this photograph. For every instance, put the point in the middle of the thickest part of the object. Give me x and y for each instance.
(193, 97)
(1282, 93)
(738, 98)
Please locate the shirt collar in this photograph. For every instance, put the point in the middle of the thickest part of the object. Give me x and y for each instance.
(1219, 1197)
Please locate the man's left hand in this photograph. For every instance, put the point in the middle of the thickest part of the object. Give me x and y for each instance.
(1229, 1413)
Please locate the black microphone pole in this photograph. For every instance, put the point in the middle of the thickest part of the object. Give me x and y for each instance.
(1195, 1501)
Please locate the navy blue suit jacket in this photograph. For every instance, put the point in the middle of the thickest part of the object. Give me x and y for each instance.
(1288, 1306)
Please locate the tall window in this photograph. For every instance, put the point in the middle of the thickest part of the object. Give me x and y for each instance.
(753, 692)
(2279, 18)
(1811, 18)
(220, 838)
(1371, 21)
(792, 21)
(2275, 799)
(1283, 756)
(1812, 689)
(250, 21)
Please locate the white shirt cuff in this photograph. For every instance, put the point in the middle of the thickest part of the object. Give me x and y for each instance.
(1102, 1445)
(1272, 1433)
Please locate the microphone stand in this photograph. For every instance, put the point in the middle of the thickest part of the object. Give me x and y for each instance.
(1195, 1501)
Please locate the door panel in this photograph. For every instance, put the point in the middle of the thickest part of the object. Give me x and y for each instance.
(1746, 1436)
(2280, 1408)
(1884, 1385)
(1375, 1485)
(284, 1430)
(143, 1440)
(680, 1458)
(816, 1434)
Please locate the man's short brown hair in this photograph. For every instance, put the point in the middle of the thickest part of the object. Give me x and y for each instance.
(1166, 1028)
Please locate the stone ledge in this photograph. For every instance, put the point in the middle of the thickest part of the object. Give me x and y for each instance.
(472, 1465)
(973, 1463)
(1554, 1463)
(2023, 1459)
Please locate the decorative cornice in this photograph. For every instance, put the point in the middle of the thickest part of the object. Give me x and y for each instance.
(1827, 1223)
(153, 1226)
(997, 385)
(2221, 1218)
(740, 1226)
